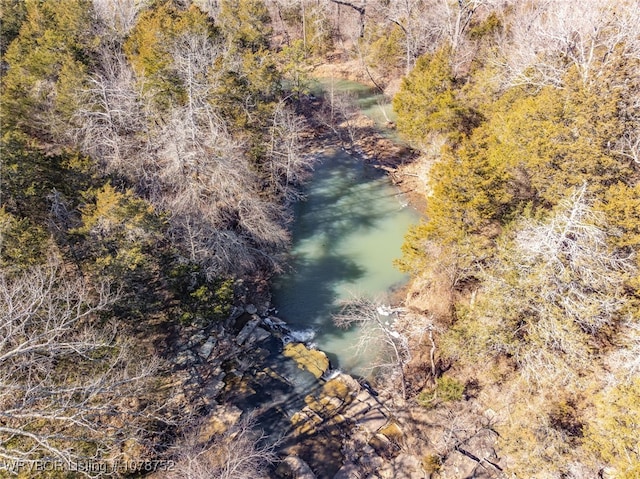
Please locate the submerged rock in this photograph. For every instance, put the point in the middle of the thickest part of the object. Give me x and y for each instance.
(312, 360)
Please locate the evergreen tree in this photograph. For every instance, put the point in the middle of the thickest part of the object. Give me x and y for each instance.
(246, 24)
(47, 66)
(428, 103)
(613, 434)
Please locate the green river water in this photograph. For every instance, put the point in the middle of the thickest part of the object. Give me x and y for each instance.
(369, 100)
(346, 235)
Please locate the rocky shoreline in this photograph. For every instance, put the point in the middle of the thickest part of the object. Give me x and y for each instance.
(331, 427)
(326, 423)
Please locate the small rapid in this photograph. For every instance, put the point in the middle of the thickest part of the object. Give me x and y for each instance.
(295, 373)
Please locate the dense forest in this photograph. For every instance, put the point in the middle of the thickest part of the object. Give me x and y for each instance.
(529, 126)
(151, 152)
(148, 157)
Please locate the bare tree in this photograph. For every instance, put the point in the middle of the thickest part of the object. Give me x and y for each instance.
(361, 9)
(585, 276)
(470, 434)
(186, 162)
(457, 17)
(201, 175)
(70, 390)
(628, 145)
(112, 119)
(288, 164)
(239, 453)
(193, 55)
(377, 333)
(560, 287)
(213, 195)
(417, 22)
(546, 38)
(625, 361)
(119, 15)
(338, 112)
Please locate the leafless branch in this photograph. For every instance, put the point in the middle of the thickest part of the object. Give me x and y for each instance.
(67, 386)
(240, 452)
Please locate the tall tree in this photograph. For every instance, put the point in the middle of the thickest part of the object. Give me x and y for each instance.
(246, 24)
(550, 292)
(47, 66)
(427, 102)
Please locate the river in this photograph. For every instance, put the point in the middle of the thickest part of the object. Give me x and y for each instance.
(346, 234)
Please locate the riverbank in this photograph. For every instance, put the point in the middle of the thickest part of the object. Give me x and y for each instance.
(426, 426)
(319, 419)
(372, 142)
(254, 365)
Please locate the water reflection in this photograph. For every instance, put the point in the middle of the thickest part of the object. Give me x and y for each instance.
(369, 100)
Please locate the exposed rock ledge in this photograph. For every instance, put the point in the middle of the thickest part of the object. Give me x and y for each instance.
(312, 360)
(340, 429)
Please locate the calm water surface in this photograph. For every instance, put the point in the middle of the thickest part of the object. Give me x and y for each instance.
(345, 237)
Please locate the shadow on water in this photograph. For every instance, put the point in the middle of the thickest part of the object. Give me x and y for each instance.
(369, 101)
(339, 204)
(346, 234)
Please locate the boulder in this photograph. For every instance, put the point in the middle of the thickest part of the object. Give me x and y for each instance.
(214, 386)
(381, 444)
(406, 466)
(235, 313)
(258, 335)
(185, 358)
(251, 309)
(219, 420)
(326, 406)
(373, 420)
(247, 329)
(357, 409)
(342, 386)
(371, 462)
(392, 431)
(196, 339)
(206, 349)
(298, 468)
(305, 422)
(312, 360)
(348, 471)
(277, 321)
